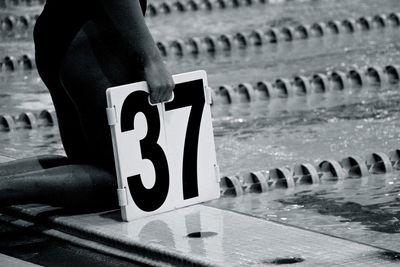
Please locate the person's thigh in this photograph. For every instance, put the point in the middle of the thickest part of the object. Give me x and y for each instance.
(69, 125)
(89, 68)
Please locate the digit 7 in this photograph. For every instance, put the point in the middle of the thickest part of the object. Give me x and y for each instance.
(190, 94)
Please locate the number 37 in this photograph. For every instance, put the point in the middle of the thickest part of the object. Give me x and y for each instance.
(189, 94)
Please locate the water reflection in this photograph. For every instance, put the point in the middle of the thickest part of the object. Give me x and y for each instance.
(190, 230)
(31, 142)
(374, 217)
(148, 235)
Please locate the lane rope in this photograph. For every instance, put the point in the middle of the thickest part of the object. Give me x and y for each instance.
(212, 44)
(326, 171)
(170, 7)
(335, 81)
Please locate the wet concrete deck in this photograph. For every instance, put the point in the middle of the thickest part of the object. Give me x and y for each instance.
(13, 262)
(203, 236)
(4, 259)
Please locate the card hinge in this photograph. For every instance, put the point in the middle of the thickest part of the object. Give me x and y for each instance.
(217, 173)
(112, 116)
(208, 94)
(122, 197)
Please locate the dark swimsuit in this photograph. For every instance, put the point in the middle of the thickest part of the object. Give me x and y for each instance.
(55, 29)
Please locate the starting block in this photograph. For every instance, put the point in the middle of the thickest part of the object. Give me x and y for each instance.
(164, 153)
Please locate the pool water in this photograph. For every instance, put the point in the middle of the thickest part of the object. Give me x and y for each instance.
(278, 132)
(283, 132)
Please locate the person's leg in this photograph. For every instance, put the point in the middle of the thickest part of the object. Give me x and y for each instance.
(90, 66)
(31, 164)
(71, 133)
(71, 186)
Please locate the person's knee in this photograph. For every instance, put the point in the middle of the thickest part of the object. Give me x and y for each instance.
(50, 161)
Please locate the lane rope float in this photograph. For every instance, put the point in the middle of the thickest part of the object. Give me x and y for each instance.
(24, 62)
(28, 120)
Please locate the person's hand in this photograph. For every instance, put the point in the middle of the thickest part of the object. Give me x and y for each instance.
(160, 82)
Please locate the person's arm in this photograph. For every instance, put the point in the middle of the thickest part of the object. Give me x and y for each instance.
(127, 18)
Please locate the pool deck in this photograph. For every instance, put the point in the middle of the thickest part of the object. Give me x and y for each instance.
(13, 262)
(197, 235)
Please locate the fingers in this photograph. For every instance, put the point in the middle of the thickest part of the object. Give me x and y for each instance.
(167, 92)
(161, 91)
(159, 80)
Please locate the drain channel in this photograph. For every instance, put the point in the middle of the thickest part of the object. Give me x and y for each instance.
(280, 261)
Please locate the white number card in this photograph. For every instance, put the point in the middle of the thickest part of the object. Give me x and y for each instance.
(165, 153)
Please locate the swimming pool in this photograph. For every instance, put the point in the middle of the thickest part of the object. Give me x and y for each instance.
(261, 135)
